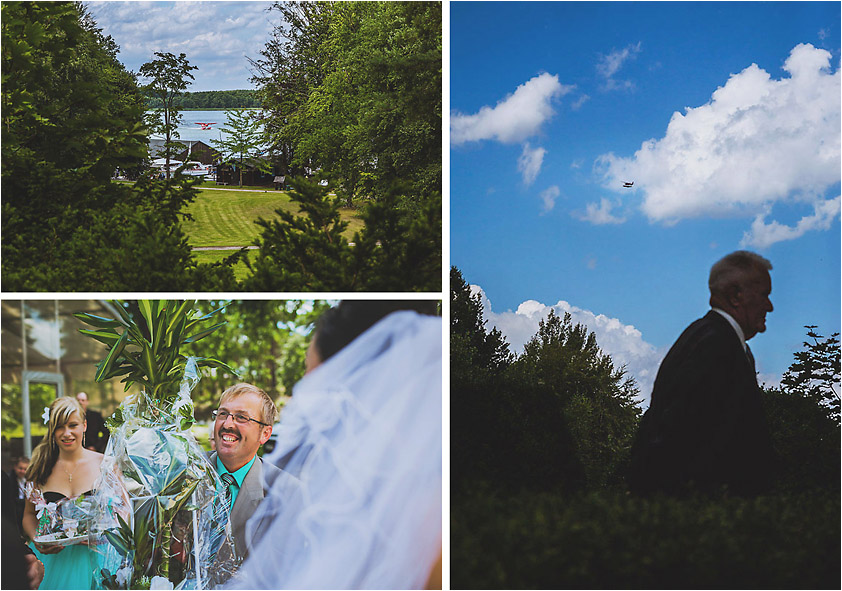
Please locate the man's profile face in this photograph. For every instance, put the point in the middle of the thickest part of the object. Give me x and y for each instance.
(237, 444)
(754, 303)
(83, 400)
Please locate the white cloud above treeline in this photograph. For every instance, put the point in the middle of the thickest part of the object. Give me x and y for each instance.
(758, 141)
(623, 342)
(515, 118)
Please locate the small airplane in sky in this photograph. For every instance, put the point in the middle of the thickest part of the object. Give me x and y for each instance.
(206, 125)
(628, 185)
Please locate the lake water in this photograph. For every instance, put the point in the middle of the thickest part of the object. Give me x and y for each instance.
(189, 130)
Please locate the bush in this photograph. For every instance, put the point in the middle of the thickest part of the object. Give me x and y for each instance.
(530, 540)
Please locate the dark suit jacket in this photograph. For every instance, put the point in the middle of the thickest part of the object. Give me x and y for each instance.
(254, 488)
(705, 426)
(97, 433)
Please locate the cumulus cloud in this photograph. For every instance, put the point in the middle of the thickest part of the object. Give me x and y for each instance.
(758, 141)
(610, 64)
(600, 214)
(515, 118)
(763, 235)
(623, 342)
(548, 197)
(530, 162)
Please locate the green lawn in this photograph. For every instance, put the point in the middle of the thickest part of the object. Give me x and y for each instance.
(226, 218)
(213, 256)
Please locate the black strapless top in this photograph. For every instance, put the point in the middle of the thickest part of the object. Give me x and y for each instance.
(54, 497)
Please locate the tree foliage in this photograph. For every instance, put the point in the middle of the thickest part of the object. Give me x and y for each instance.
(803, 416)
(72, 115)
(263, 341)
(307, 252)
(209, 99)
(557, 417)
(354, 89)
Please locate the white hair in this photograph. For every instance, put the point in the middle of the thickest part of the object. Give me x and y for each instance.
(733, 269)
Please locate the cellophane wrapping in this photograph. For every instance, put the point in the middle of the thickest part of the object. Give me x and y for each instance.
(158, 516)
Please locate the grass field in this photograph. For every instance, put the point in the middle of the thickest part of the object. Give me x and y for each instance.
(213, 256)
(226, 218)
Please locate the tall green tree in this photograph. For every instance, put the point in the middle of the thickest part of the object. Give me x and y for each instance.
(563, 370)
(291, 64)
(168, 77)
(243, 142)
(479, 447)
(803, 416)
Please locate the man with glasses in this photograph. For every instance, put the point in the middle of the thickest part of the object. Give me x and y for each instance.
(242, 423)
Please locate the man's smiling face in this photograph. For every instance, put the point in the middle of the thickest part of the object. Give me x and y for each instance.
(236, 444)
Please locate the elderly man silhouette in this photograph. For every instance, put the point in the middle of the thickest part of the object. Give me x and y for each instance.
(705, 428)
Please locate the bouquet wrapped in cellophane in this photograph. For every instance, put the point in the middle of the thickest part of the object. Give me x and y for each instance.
(158, 516)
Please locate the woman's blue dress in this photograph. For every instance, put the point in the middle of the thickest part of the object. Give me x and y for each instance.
(72, 568)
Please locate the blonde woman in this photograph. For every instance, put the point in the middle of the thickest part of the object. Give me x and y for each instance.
(61, 468)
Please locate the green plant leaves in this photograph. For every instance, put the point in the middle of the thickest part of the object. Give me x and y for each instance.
(113, 355)
(154, 362)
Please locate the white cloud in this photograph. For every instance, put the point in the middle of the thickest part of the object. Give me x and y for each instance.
(758, 141)
(530, 162)
(577, 104)
(209, 33)
(600, 214)
(624, 343)
(515, 118)
(610, 64)
(763, 235)
(548, 196)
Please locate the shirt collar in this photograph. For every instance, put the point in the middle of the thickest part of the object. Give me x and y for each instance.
(239, 475)
(737, 328)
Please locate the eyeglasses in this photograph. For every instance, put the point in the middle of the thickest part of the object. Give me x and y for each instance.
(222, 415)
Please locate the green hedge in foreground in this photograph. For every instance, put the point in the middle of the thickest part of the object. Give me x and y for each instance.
(610, 540)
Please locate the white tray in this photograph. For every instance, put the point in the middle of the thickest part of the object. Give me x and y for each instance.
(59, 540)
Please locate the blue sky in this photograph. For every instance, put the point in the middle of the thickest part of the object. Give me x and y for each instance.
(215, 36)
(725, 115)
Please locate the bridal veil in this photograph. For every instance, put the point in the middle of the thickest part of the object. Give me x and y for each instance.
(359, 505)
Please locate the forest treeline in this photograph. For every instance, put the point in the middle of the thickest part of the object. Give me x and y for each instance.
(210, 99)
(540, 445)
(349, 92)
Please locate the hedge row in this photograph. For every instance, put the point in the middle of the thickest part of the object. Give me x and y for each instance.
(607, 540)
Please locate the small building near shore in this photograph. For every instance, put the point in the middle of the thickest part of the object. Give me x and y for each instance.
(229, 174)
(197, 151)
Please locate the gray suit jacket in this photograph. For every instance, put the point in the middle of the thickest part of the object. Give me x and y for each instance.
(254, 488)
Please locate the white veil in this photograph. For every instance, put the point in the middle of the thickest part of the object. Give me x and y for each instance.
(363, 439)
